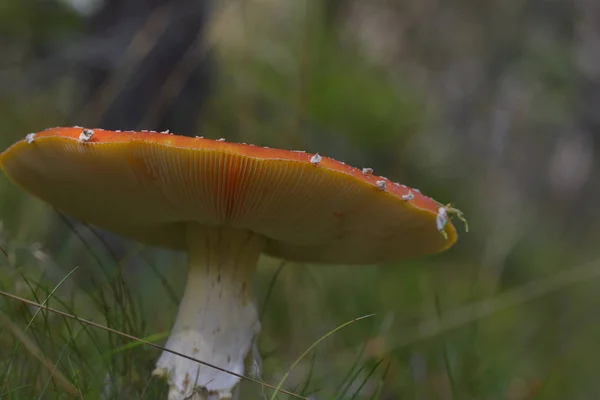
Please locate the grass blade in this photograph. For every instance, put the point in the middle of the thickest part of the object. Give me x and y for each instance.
(315, 344)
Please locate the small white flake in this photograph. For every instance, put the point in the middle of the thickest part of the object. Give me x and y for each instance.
(221, 140)
(416, 190)
(38, 253)
(409, 196)
(367, 171)
(165, 132)
(442, 218)
(447, 212)
(86, 135)
(380, 185)
(316, 159)
(30, 138)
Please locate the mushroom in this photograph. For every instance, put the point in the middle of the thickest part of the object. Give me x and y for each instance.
(225, 204)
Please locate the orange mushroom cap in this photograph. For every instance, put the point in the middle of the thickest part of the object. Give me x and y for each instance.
(148, 185)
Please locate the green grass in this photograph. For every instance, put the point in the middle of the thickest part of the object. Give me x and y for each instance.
(83, 346)
(473, 349)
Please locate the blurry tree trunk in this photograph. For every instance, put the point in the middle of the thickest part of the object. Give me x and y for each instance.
(588, 57)
(150, 69)
(145, 66)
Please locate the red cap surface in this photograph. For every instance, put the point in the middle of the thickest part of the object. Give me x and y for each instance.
(148, 185)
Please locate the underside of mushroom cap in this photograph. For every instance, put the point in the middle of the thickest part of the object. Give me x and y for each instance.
(148, 185)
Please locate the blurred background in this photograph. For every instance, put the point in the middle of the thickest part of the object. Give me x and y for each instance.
(490, 105)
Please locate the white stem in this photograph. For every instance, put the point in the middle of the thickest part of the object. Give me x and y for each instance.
(217, 321)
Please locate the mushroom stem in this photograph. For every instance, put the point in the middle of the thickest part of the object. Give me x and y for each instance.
(217, 321)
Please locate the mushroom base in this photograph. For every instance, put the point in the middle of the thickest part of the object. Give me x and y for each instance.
(217, 321)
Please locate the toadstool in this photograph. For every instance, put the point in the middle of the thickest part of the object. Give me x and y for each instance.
(225, 204)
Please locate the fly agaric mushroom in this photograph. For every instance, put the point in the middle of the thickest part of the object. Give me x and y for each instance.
(224, 204)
